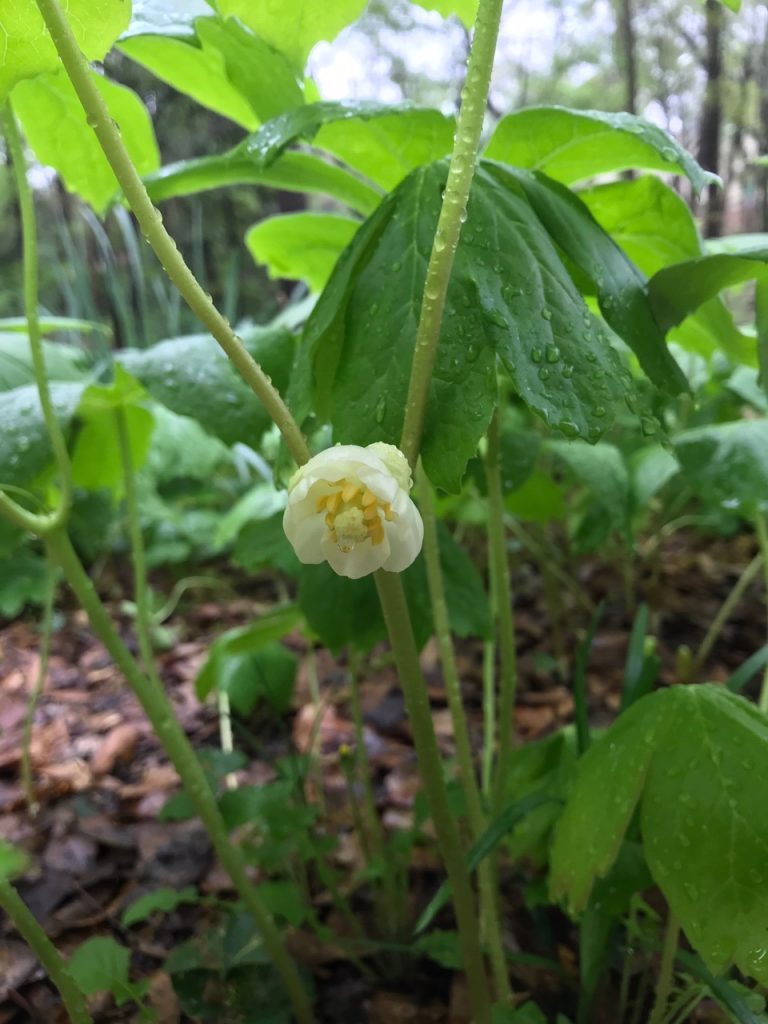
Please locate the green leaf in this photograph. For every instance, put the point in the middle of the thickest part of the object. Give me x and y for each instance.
(28, 49)
(13, 861)
(340, 611)
(303, 246)
(387, 147)
(655, 228)
(466, 10)
(259, 503)
(55, 126)
(245, 640)
(600, 468)
(163, 900)
(23, 580)
(62, 362)
(468, 609)
(263, 545)
(620, 287)
(574, 145)
(26, 450)
(294, 172)
(268, 675)
(694, 759)
(650, 468)
(678, 290)
(52, 324)
(232, 71)
(293, 26)
(192, 377)
(181, 449)
(727, 463)
(359, 338)
(101, 964)
(540, 500)
(195, 71)
(259, 72)
(96, 458)
(527, 1014)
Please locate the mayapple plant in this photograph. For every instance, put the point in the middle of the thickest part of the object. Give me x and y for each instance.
(453, 285)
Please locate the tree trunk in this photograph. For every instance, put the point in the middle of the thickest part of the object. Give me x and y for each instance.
(712, 116)
(628, 53)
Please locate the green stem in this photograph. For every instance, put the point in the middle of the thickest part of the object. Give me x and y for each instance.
(16, 513)
(392, 909)
(502, 603)
(397, 618)
(725, 612)
(178, 748)
(762, 539)
(151, 224)
(489, 715)
(45, 951)
(34, 698)
(474, 98)
(664, 983)
(488, 900)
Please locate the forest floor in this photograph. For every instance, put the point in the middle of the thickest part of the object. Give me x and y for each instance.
(101, 779)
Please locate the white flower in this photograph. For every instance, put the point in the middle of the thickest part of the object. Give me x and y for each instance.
(349, 506)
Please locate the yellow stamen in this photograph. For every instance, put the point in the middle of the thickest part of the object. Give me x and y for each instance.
(349, 492)
(372, 512)
(376, 532)
(389, 515)
(368, 499)
(329, 520)
(321, 503)
(332, 501)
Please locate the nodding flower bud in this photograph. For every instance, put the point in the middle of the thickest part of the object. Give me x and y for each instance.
(349, 506)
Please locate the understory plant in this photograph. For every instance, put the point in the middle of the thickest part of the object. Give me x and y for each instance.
(481, 344)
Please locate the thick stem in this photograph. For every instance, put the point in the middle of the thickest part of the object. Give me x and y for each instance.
(725, 612)
(151, 224)
(401, 638)
(178, 748)
(488, 900)
(474, 97)
(502, 603)
(664, 982)
(46, 627)
(762, 539)
(16, 513)
(45, 951)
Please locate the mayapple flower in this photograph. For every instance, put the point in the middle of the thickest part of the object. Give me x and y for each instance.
(349, 506)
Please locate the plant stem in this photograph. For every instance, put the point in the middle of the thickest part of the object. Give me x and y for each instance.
(762, 539)
(45, 951)
(151, 224)
(474, 97)
(725, 612)
(502, 603)
(16, 513)
(664, 983)
(159, 710)
(46, 627)
(488, 901)
(489, 715)
(397, 618)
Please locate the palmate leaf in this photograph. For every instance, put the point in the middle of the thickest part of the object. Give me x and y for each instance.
(302, 246)
(55, 125)
(27, 49)
(511, 297)
(655, 228)
(727, 463)
(694, 760)
(26, 449)
(293, 26)
(574, 145)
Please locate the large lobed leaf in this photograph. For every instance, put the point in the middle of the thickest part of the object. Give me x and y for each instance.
(27, 49)
(55, 125)
(574, 145)
(694, 760)
(727, 463)
(511, 297)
